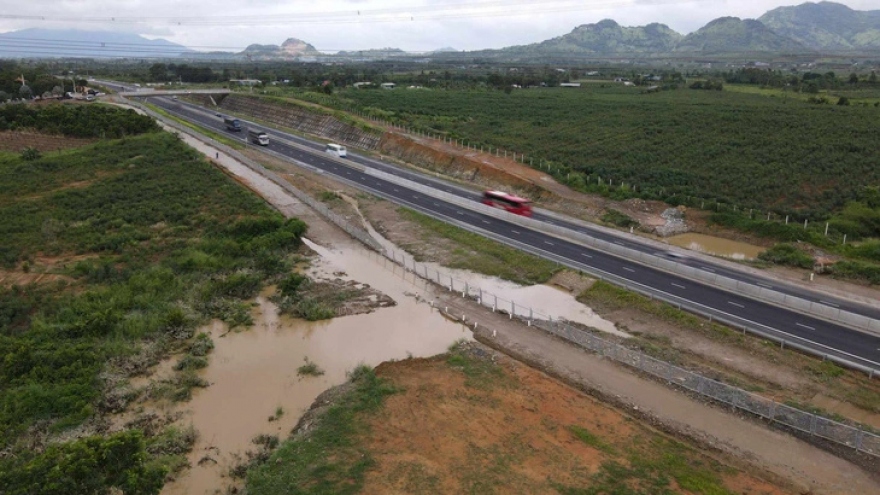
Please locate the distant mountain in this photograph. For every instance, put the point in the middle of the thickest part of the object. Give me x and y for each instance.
(292, 48)
(66, 43)
(735, 35)
(445, 49)
(371, 54)
(826, 26)
(608, 37)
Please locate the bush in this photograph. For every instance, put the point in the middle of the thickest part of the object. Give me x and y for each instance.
(29, 154)
(291, 283)
(619, 219)
(89, 466)
(789, 255)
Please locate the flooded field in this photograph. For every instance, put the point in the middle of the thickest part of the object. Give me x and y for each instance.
(716, 246)
(255, 387)
(253, 372)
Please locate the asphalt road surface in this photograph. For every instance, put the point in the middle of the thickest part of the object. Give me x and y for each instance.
(820, 336)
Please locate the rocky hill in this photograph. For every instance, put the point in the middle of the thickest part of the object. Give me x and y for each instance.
(735, 35)
(292, 48)
(826, 26)
(609, 37)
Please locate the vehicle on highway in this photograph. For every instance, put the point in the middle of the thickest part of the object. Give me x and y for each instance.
(232, 124)
(508, 202)
(336, 149)
(258, 137)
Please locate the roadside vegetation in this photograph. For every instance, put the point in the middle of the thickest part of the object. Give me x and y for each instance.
(145, 241)
(475, 252)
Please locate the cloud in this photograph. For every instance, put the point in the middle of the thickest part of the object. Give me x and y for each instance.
(414, 25)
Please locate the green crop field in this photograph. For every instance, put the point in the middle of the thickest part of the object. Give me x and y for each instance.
(151, 241)
(754, 151)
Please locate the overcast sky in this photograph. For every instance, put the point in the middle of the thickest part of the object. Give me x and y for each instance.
(332, 25)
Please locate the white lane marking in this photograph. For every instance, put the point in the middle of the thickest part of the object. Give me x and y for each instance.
(585, 255)
(628, 269)
(396, 190)
(515, 232)
(678, 285)
(808, 327)
(738, 305)
(548, 243)
(436, 204)
(486, 222)
(460, 212)
(829, 303)
(708, 269)
(765, 285)
(618, 243)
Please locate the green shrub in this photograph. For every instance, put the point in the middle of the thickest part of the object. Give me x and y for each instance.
(30, 154)
(89, 466)
(789, 255)
(619, 219)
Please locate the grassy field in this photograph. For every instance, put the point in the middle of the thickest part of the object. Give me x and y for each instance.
(145, 240)
(743, 149)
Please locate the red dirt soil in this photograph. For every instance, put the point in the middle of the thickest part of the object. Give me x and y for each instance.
(441, 435)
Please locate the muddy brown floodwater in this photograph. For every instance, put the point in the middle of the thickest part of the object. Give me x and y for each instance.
(716, 245)
(254, 372)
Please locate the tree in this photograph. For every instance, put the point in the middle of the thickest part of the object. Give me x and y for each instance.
(843, 101)
(853, 78)
(158, 72)
(873, 77)
(25, 92)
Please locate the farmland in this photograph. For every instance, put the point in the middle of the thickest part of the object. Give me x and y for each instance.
(145, 241)
(749, 150)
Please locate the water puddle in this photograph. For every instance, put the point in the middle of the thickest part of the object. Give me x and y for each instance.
(253, 372)
(545, 300)
(716, 246)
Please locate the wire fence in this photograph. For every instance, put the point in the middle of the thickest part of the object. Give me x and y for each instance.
(855, 437)
(570, 175)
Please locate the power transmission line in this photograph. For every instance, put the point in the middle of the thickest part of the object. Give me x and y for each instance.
(492, 8)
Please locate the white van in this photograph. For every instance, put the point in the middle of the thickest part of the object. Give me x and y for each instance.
(336, 149)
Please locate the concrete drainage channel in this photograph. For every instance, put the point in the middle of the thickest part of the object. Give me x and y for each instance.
(865, 324)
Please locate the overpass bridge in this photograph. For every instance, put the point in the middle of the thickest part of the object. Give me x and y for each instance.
(143, 92)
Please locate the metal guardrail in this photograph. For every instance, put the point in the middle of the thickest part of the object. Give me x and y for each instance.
(753, 291)
(813, 424)
(769, 333)
(854, 437)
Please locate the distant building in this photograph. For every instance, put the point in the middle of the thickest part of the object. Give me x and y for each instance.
(388, 85)
(569, 85)
(246, 82)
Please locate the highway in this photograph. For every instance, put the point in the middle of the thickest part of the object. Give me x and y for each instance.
(821, 336)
